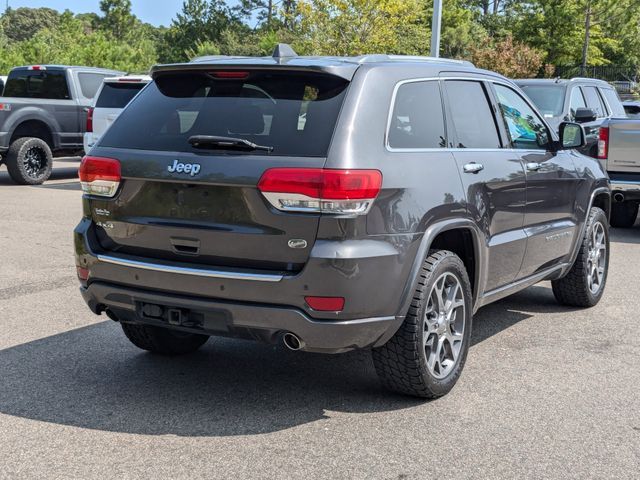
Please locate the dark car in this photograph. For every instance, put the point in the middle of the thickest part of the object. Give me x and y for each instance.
(43, 113)
(334, 204)
(587, 101)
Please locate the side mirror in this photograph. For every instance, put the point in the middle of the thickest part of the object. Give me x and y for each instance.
(572, 135)
(585, 115)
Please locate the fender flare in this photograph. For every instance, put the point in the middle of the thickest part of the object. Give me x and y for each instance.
(36, 115)
(425, 245)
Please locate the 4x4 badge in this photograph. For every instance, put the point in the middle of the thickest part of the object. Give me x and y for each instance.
(179, 167)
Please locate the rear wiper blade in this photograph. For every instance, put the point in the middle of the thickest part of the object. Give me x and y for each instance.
(226, 143)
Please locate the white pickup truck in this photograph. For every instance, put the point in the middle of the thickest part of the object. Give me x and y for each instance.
(619, 150)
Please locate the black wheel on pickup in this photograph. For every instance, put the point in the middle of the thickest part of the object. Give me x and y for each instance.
(427, 354)
(29, 161)
(624, 214)
(163, 340)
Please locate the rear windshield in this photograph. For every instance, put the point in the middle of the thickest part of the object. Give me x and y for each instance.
(293, 112)
(548, 99)
(117, 95)
(51, 84)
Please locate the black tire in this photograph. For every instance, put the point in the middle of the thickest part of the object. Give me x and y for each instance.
(624, 214)
(29, 161)
(163, 340)
(402, 363)
(575, 288)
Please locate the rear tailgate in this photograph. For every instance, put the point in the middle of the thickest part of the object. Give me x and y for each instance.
(624, 145)
(201, 205)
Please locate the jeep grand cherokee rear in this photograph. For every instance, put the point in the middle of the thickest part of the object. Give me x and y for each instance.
(320, 202)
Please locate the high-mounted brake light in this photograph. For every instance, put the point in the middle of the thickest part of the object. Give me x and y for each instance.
(129, 80)
(90, 120)
(100, 176)
(37, 68)
(603, 143)
(230, 75)
(341, 192)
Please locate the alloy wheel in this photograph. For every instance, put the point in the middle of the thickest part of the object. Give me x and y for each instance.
(597, 258)
(444, 325)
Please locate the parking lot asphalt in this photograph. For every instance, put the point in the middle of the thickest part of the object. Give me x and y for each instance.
(548, 391)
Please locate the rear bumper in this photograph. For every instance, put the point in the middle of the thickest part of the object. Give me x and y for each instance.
(371, 274)
(627, 184)
(266, 323)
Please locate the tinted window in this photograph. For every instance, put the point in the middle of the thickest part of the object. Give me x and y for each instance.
(593, 101)
(471, 115)
(417, 120)
(90, 83)
(50, 84)
(525, 128)
(614, 102)
(117, 95)
(293, 112)
(548, 99)
(577, 101)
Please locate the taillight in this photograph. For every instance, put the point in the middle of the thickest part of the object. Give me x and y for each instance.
(345, 192)
(90, 120)
(99, 176)
(603, 143)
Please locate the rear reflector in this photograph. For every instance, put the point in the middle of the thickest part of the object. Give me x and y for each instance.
(603, 143)
(90, 120)
(83, 273)
(99, 176)
(321, 190)
(325, 304)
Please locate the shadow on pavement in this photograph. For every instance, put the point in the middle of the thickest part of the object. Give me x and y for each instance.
(626, 235)
(93, 378)
(70, 172)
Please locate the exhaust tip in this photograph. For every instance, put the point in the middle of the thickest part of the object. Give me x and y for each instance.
(292, 342)
(618, 197)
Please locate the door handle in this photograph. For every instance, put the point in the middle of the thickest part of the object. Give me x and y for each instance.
(533, 166)
(473, 167)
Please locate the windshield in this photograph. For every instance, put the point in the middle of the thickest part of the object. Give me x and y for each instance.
(293, 112)
(548, 98)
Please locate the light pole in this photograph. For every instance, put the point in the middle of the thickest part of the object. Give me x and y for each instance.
(436, 25)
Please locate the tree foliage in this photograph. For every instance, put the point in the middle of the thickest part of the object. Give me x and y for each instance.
(515, 37)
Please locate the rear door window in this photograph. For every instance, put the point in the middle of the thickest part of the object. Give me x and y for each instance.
(471, 115)
(293, 112)
(617, 110)
(90, 83)
(594, 101)
(117, 95)
(49, 84)
(417, 120)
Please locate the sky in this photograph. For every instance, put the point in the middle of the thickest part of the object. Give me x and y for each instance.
(155, 12)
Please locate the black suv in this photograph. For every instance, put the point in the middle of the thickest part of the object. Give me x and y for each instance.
(587, 101)
(335, 204)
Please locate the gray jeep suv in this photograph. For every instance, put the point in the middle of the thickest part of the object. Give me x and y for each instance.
(335, 204)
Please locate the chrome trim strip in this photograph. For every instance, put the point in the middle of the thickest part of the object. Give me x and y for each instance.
(198, 272)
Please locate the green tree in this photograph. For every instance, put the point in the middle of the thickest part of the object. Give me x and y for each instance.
(118, 19)
(351, 27)
(23, 23)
